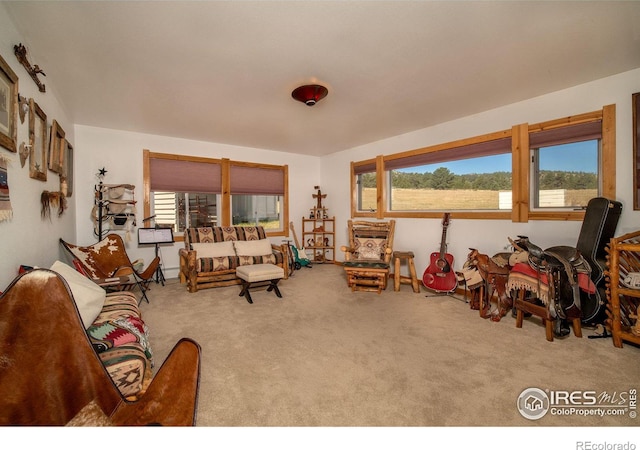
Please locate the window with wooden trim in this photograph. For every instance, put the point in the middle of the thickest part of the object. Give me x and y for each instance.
(468, 175)
(507, 174)
(364, 188)
(568, 162)
(183, 191)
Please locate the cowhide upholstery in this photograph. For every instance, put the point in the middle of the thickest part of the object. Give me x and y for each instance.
(108, 258)
(49, 371)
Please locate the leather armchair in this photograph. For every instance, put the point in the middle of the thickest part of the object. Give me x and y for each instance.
(49, 371)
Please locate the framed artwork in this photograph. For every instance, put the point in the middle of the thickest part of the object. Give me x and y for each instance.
(68, 168)
(636, 150)
(8, 106)
(38, 141)
(56, 148)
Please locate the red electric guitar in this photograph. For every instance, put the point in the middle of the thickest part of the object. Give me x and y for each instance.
(440, 276)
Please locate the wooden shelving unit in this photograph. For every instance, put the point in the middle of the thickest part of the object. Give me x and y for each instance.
(318, 236)
(623, 258)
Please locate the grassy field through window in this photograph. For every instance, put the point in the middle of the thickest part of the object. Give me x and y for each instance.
(458, 199)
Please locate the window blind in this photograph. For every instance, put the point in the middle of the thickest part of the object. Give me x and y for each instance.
(172, 175)
(563, 135)
(477, 150)
(247, 180)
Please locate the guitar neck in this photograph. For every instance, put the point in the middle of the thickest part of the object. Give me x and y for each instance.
(443, 242)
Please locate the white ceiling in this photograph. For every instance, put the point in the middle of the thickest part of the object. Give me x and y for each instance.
(223, 71)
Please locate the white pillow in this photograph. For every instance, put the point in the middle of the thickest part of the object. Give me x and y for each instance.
(213, 249)
(89, 296)
(261, 247)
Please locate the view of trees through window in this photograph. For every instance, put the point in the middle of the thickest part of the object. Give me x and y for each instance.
(563, 176)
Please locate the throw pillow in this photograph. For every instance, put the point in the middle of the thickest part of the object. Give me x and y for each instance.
(214, 249)
(89, 297)
(370, 248)
(260, 247)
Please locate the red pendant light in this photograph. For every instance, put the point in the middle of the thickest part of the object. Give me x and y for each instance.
(310, 94)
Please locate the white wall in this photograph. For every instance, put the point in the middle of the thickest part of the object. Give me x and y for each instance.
(27, 238)
(120, 153)
(422, 236)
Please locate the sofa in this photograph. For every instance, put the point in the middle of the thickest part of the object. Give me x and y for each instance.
(54, 370)
(211, 255)
(114, 325)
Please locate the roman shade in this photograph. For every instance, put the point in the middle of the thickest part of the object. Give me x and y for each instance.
(174, 175)
(249, 180)
(475, 150)
(563, 135)
(364, 167)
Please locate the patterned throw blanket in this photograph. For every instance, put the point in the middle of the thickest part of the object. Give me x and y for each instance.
(5, 205)
(523, 276)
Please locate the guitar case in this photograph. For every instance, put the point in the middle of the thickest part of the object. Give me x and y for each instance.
(598, 227)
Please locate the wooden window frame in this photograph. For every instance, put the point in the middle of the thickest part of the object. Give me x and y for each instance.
(225, 207)
(520, 158)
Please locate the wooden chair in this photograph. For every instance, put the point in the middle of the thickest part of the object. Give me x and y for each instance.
(108, 259)
(368, 256)
(51, 375)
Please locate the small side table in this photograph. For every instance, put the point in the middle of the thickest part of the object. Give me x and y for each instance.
(399, 279)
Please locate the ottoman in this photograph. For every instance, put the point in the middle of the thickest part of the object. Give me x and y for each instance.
(255, 275)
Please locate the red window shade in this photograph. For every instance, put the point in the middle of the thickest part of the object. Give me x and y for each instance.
(247, 180)
(477, 150)
(172, 175)
(564, 135)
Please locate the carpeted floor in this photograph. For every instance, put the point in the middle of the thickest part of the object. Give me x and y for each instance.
(325, 356)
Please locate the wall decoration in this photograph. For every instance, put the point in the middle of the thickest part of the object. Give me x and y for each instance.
(38, 142)
(5, 204)
(23, 151)
(68, 168)
(21, 53)
(52, 199)
(8, 106)
(23, 107)
(56, 148)
(636, 150)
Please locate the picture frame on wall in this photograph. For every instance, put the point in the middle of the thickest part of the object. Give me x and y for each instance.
(635, 101)
(8, 106)
(38, 141)
(68, 171)
(56, 148)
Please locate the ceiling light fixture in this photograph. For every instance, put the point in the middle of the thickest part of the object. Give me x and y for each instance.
(310, 94)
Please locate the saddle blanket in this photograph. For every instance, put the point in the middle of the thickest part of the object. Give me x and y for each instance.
(523, 276)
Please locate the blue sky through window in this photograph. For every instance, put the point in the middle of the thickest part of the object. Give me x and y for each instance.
(574, 157)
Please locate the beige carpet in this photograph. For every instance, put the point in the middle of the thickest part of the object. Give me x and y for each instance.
(324, 356)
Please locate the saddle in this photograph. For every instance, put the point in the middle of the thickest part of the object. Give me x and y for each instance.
(561, 264)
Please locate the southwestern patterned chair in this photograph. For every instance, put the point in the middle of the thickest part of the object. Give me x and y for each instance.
(211, 255)
(50, 374)
(368, 256)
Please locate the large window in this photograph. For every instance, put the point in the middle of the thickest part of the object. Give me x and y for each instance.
(545, 171)
(468, 176)
(182, 192)
(565, 175)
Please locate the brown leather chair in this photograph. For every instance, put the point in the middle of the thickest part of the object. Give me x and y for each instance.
(49, 372)
(108, 258)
